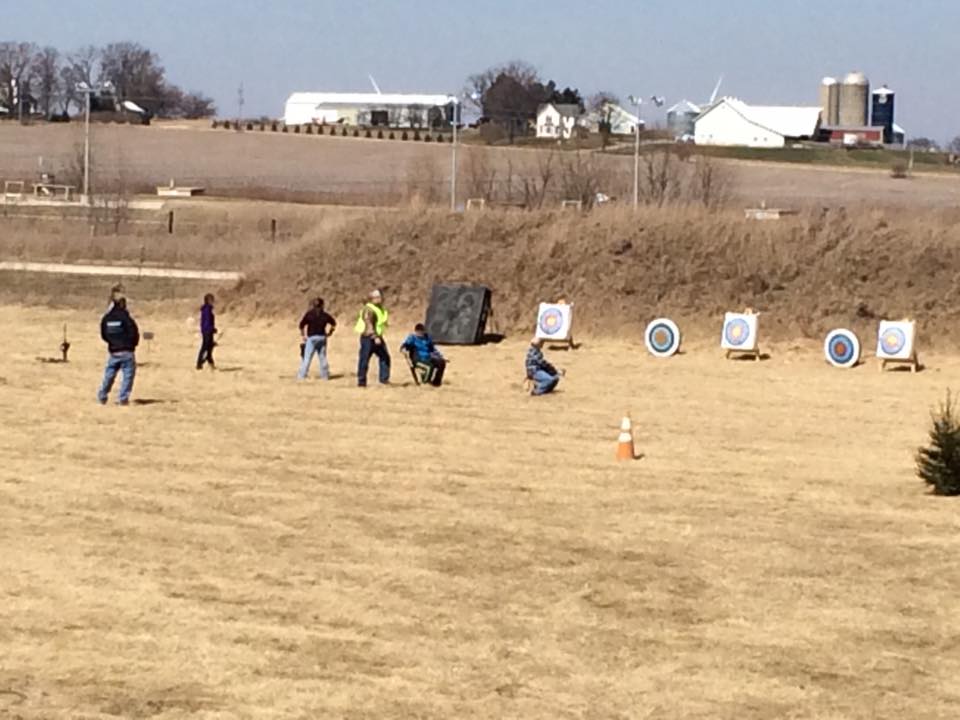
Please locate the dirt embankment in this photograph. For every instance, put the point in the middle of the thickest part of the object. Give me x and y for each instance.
(807, 275)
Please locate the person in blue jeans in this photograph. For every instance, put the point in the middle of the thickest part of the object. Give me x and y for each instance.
(370, 326)
(315, 327)
(541, 373)
(121, 334)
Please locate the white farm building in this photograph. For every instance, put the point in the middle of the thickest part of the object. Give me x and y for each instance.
(733, 122)
(369, 109)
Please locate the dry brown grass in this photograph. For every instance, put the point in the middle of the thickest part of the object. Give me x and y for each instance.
(251, 547)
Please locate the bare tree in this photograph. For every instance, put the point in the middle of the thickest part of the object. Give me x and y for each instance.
(46, 71)
(954, 145)
(535, 188)
(710, 184)
(481, 174)
(659, 178)
(81, 66)
(195, 105)
(478, 85)
(16, 61)
(582, 177)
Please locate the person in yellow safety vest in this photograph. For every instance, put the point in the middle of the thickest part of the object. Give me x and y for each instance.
(370, 326)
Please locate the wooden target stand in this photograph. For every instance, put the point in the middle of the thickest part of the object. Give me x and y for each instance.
(913, 362)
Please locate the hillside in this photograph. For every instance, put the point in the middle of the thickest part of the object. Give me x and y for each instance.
(807, 276)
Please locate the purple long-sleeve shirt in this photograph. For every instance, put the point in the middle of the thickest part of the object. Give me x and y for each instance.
(208, 324)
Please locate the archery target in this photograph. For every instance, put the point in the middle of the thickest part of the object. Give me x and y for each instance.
(739, 332)
(895, 340)
(842, 348)
(554, 321)
(662, 337)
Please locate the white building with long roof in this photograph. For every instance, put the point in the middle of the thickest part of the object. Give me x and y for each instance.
(732, 122)
(385, 109)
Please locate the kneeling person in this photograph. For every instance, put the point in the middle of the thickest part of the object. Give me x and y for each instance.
(541, 373)
(419, 345)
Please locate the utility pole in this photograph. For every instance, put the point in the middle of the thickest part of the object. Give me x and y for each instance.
(453, 170)
(88, 91)
(239, 104)
(638, 101)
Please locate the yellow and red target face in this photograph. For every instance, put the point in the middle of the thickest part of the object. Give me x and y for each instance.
(553, 322)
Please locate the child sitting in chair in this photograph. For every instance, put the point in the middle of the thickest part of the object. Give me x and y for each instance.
(421, 350)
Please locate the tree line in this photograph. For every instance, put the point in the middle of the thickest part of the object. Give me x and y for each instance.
(45, 81)
(508, 95)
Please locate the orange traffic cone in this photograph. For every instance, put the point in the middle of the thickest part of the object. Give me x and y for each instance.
(625, 441)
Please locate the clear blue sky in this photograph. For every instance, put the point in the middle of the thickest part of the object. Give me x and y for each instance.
(769, 51)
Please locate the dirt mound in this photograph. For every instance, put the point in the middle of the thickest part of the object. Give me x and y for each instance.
(807, 275)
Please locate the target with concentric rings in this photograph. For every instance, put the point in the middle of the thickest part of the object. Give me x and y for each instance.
(892, 341)
(842, 348)
(551, 321)
(737, 332)
(662, 337)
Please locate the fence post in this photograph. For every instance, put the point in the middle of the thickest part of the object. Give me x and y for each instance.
(170, 223)
(273, 230)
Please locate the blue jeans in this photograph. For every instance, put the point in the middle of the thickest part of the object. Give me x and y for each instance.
(315, 344)
(544, 382)
(368, 348)
(125, 361)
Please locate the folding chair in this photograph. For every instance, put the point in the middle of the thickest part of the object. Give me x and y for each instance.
(422, 372)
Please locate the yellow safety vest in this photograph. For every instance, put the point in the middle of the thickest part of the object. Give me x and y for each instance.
(380, 319)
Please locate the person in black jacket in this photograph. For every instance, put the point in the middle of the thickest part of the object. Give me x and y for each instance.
(121, 334)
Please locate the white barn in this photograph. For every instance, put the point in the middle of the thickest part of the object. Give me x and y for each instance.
(733, 122)
(386, 109)
(557, 121)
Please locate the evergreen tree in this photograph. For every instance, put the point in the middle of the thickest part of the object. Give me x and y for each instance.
(938, 464)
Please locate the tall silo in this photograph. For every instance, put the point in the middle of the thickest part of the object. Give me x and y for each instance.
(854, 99)
(830, 101)
(881, 112)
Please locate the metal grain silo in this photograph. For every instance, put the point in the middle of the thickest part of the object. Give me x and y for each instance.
(881, 112)
(830, 101)
(854, 99)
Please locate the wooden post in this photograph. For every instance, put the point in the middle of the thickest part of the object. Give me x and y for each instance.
(273, 230)
(170, 223)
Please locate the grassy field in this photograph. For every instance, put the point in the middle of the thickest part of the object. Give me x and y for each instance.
(382, 172)
(240, 545)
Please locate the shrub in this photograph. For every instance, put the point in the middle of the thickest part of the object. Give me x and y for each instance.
(296, 129)
(286, 128)
(250, 126)
(899, 171)
(404, 136)
(427, 137)
(416, 134)
(320, 129)
(273, 127)
(262, 127)
(368, 133)
(343, 132)
(379, 134)
(215, 124)
(938, 464)
(226, 124)
(309, 129)
(356, 133)
(392, 136)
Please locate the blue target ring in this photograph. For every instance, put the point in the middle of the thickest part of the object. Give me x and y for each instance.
(842, 348)
(551, 321)
(737, 332)
(893, 341)
(662, 337)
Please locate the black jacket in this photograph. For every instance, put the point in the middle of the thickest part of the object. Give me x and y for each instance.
(119, 331)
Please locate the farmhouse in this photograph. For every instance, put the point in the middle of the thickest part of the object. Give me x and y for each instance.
(557, 120)
(733, 122)
(621, 121)
(368, 109)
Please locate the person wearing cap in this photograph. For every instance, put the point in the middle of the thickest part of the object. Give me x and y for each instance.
(541, 373)
(121, 334)
(371, 325)
(315, 327)
(419, 345)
